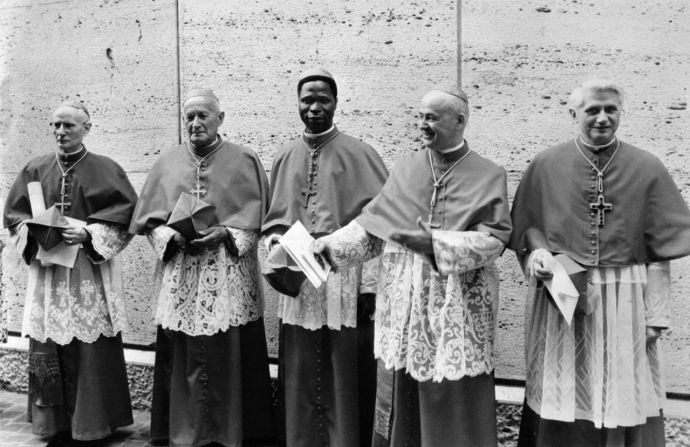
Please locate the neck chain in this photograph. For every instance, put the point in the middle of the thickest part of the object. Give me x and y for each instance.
(601, 206)
(437, 181)
(311, 168)
(63, 190)
(199, 190)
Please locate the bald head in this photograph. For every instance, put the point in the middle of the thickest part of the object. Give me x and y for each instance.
(443, 117)
(454, 103)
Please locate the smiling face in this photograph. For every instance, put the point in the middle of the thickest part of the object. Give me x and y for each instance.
(202, 117)
(598, 116)
(317, 106)
(70, 126)
(441, 120)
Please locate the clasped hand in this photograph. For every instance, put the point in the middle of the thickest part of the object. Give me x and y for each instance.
(74, 235)
(210, 239)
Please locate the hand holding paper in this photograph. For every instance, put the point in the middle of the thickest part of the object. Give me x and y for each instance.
(561, 288)
(298, 243)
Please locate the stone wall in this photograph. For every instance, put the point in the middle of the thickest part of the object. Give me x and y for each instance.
(129, 59)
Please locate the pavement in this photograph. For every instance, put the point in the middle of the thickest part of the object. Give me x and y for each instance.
(15, 431)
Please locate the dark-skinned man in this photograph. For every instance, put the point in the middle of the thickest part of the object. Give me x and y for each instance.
(211, 378)
(323, 178)
(440, 221)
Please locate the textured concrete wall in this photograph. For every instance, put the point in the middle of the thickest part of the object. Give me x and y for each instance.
(520, 60)
(119, 57)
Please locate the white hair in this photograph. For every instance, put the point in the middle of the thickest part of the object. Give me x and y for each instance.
(577, 97)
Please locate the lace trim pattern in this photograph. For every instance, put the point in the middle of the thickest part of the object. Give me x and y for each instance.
(333, 305)
(159, 238)
(205, 294)
(107, 240)
(600, 368)
(436, 327)
(84, 302)
(461, 251)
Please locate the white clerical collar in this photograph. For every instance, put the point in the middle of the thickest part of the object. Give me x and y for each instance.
(596, 148)
(208, 145)
(452, 149)
(317, 135)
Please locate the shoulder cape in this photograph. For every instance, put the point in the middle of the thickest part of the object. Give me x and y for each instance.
(349, 174)
(234, 178)
(649, 222)
(101, 191)
(474, 198)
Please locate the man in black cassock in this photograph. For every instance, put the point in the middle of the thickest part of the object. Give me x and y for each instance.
(74, 316)
(612, 211)
(439, 223)
(323, 178)
(211, 382)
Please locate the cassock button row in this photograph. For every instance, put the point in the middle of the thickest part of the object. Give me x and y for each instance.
(592, 223)
(593, 242)
(592, 186)
(592, 251)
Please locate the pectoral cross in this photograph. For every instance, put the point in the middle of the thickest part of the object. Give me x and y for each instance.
(601, 206)
(307, 193)
(198, 190)
(63, 195)
(432, 205)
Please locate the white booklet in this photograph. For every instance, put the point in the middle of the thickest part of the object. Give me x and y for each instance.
(297, 243)
(562, 289)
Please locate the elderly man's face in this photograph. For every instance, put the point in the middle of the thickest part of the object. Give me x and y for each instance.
(598, 116)
(202, 118)
(317, 106)
(70, 126)
(442, 127)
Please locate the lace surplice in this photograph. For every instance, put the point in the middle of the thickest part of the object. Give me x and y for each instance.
(209, 292)
(435, 321)
(333, 305)
(83, 302)
(600, 368)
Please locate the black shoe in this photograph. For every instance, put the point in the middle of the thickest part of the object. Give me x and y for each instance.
(62, 439)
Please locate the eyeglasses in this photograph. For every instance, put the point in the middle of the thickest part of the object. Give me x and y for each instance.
(67, 126)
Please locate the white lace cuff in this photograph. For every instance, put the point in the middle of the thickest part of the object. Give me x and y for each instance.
(657, 293)
(462, 251)
(159, 238)
(106, 241)
(19, 237)
(351, 245)
(245, 240)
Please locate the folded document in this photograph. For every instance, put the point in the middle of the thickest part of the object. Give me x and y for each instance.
(561, 287)
(298, 244)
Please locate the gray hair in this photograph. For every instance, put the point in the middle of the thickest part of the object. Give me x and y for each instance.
(577, 97)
